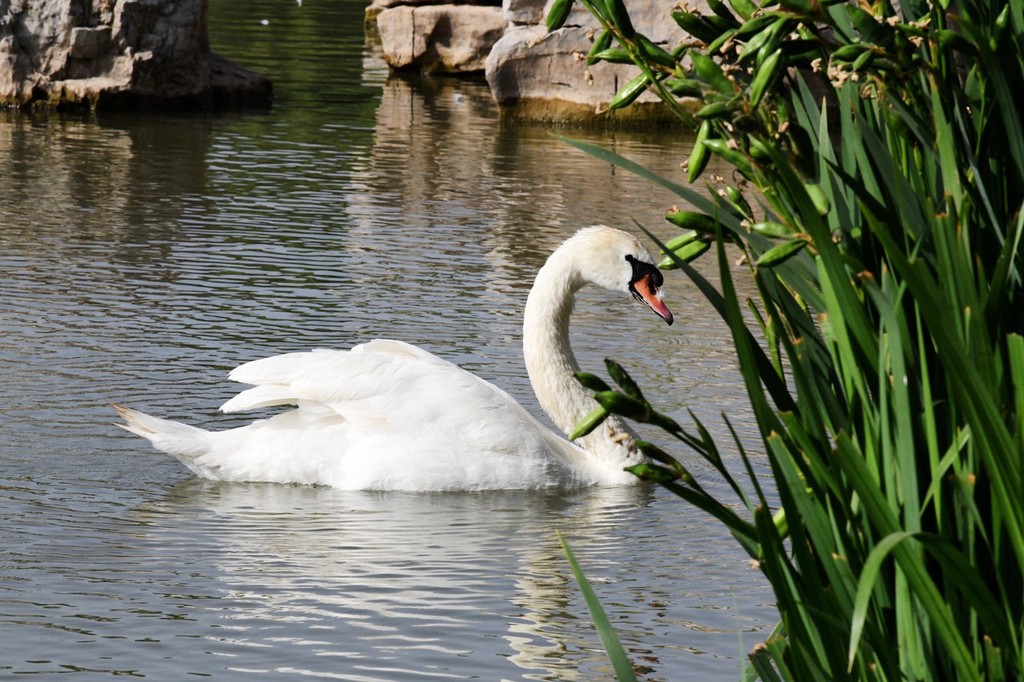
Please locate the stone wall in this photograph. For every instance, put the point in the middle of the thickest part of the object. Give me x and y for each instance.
(533, 73)
(117, 53)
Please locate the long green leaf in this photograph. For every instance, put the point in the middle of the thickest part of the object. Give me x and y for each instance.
(1015, 344)
(620, 660)
(869, 576)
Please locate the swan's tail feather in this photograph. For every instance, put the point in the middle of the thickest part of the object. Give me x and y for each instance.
(277, 369)
(269, 395)
(185, 442)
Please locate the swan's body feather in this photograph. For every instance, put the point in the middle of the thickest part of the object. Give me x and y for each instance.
(384, 415)
(387, 415)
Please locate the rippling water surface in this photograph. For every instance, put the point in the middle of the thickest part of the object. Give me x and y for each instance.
(142, 257)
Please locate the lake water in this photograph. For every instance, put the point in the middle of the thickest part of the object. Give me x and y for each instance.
(143, 256)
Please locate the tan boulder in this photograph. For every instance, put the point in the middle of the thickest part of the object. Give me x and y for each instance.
(541, 75)
(439, 38)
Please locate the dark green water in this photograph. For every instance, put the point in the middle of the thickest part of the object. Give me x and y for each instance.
(142, 257)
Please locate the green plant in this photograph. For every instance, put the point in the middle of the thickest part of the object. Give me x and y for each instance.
(886, 366)
(620, 661)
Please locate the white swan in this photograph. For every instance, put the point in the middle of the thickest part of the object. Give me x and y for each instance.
(387, 415)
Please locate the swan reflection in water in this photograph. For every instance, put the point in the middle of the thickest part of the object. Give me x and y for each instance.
(361, 585)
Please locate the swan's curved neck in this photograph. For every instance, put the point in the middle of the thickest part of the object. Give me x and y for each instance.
(551, 364)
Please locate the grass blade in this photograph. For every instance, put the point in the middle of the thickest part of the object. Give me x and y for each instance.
(620, 660)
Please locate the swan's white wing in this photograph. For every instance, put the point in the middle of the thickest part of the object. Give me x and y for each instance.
(389, 414)
(381, 383)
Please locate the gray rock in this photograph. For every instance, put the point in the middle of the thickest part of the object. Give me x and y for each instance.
(524, 11)
(89, 43)
(117, 53)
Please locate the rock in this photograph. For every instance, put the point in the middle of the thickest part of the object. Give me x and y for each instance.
(89, 43)
(118, 53)
(533, 74)
(235, 87)
(439, 38)
(377, 6)
(374, 9)
(539, 75)
(523, 11)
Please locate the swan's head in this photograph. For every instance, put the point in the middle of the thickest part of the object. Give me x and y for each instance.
(616, 260)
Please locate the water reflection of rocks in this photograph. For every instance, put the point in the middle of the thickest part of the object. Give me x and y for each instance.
(79, 178)
(441, 152)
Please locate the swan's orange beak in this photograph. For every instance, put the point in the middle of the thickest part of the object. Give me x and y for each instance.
(647, 291)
